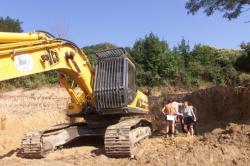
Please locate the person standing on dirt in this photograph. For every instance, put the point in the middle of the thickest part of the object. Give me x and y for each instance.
(196, 116)
(169, 112)
(178, 115)
(177, 106)
(189, 118)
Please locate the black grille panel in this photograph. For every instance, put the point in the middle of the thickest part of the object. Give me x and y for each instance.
(110, 85)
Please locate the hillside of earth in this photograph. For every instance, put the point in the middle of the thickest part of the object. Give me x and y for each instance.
(223, 136)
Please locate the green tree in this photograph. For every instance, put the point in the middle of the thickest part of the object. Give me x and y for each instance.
(184, 49)
(91, 50)
(198, 62)
(8, 24)
(230, 8)
(243, 61)
(172, 67)
(210, 64)
(149, 54)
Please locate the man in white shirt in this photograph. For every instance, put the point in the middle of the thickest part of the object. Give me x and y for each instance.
(176, 106)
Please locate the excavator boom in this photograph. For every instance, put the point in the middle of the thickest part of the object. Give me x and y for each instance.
(24, 54)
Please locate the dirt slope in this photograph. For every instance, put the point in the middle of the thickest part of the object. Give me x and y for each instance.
(26, 110)
(230, 146)
(220, 142)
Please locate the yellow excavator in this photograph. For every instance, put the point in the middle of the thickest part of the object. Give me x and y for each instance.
(108, 103)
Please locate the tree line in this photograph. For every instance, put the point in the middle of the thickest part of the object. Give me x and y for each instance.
(158, 64)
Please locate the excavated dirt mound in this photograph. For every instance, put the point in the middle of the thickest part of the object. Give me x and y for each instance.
(220, 142)
(216, 107)
(221, 105)
(229, 146)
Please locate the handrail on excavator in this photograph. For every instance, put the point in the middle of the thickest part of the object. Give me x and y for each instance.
(12, 37)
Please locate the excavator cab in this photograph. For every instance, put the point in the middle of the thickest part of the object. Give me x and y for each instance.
(115, 84)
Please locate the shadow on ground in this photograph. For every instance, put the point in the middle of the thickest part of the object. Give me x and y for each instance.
(9, 154)
(97, 142)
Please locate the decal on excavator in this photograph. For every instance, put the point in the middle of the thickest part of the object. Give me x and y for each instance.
(23, 62)
(52, 57)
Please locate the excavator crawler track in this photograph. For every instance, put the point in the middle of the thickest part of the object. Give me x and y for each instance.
(38, 144)
(121, 139)
(33, 145)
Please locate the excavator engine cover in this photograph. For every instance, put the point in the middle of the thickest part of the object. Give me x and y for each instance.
(114, 87)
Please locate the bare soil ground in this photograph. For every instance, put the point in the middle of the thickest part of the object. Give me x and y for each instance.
(224, 136)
